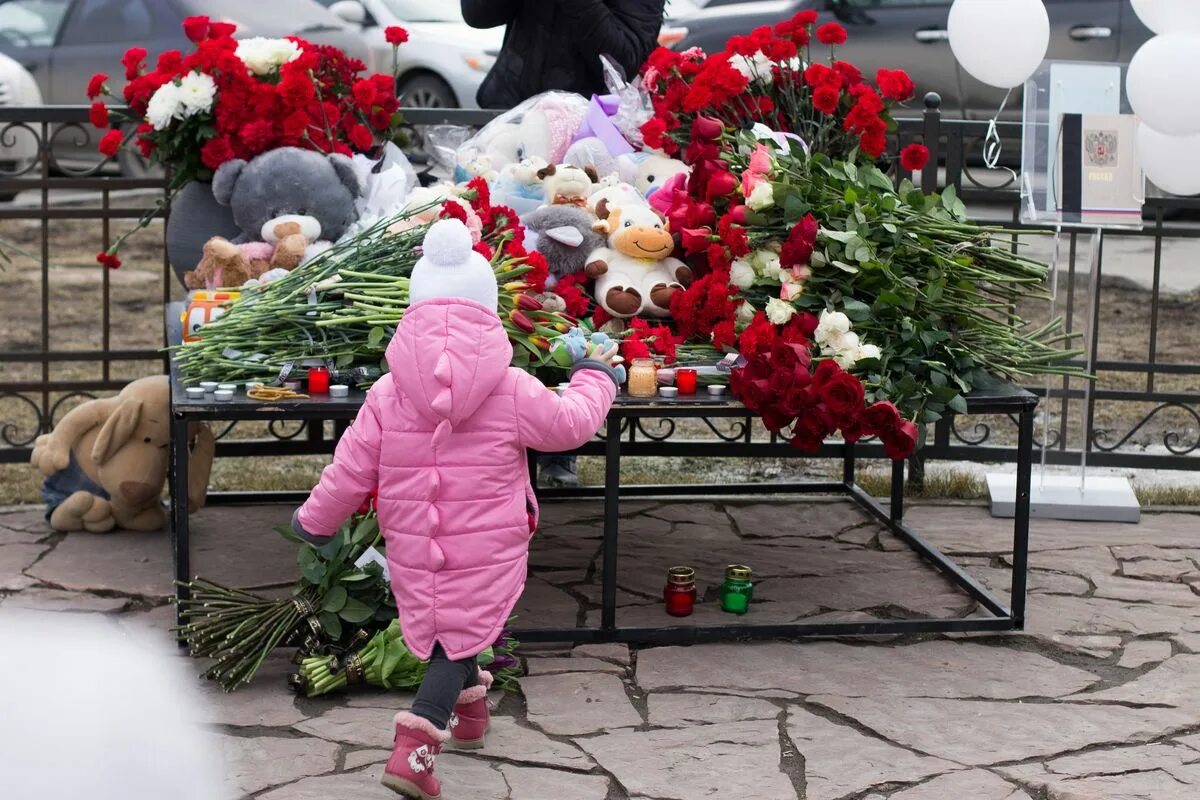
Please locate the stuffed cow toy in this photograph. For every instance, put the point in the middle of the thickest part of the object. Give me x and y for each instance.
(106, 461)
(635, 273)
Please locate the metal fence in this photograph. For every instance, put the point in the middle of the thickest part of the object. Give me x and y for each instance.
(1143, 412)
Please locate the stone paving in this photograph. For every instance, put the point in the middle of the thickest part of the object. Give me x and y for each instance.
(1099, 699)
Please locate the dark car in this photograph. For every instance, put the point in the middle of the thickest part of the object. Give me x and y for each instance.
(64, 42)
(911, 35)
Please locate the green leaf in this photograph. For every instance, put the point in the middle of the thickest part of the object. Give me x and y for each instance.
(839, 236)
(937, 379)
(365, 531)
(355, 611)
(335, 600)
(930, 416)
(375, 337)
(331, 624)
(958, 404)
(856, 310)
(354, 577)
(844, 267)
(949, 197)
(850, 196)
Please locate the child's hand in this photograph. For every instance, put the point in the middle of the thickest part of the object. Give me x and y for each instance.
(606, 354)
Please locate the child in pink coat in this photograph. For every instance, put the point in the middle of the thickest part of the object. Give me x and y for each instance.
(444, 436)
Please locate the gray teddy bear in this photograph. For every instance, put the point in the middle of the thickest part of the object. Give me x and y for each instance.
(289, 190)
(564, 235)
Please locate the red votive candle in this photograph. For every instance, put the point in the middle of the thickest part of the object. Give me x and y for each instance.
(318, 380)
(685, 381)
(680, 592)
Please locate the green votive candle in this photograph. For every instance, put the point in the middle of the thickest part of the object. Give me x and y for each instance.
(737, 589)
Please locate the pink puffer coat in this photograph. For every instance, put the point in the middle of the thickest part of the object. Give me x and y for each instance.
(443, 436)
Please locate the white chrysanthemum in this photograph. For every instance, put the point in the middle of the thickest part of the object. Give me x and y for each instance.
(196, 92)
(165, 105)
(755, 68)
(262, 56)
(763, 196)
(779, 311)
(741, 274)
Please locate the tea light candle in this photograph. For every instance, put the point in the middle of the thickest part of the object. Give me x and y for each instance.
(716, 390)
(668, 392)
(318, 380)
(195, 393)
(227, 387)
(251, 385)
(339, 390)
(209, 386)
(685, 380)
(223, 395)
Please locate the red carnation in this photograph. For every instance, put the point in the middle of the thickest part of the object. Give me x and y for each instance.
(914, 157)
(805, 17)
(132, 61)
(195, 28)
(110, 143)
(831, 34)
(826, 98)
(895, 84)
(109, 260)
(169, 62)
(360, 137)
(395, 35)
(95, 86)
(221, 30)
(820, 75)
(874, 141)
(257, 136)
(98, 114)
(653, 131)
(850, 74)
(216, 152)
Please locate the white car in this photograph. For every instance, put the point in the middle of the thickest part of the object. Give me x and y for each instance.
(443, 62)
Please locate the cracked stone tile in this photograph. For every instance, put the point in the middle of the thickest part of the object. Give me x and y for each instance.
(24, 524)
(690, 763)
(709, 613)
(1191, 740)
(840, 762)
(265, 701)
(971, 784)
(921, 592)
(1090, 562)
(549, 665)
(256, 763)
(14, 559)
(1153, 592)
(1174, 682)
(1152, 784)
(545, 606)
(1189, 641)
(471, 778)
(610, 652)
(514, 742)
(925, 669)
(1139, 653)
(361, 785)
(1039, 582)
(368, 727)
(1158, 570)
(58, 600)
(531, 783)
(979, 732)
(1089, 645)
(578, 702)
(1060, 614)
(561, 559)
(556, 514)
(819, 520)
(1116, 760)
(683, 709)
(707, 514)
(1152, 552)
(361, 758)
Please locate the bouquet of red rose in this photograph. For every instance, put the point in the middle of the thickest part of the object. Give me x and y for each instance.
(771, 77)
(237, 98)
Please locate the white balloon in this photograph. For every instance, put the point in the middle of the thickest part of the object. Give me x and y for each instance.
(1170, 161)
(1162, 85)
(999, 42)
(1169, 16)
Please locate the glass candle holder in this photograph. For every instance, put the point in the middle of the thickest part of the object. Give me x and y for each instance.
(318, 380)
(685, 381)
(737, 590)
(680, 592)
(643, 378)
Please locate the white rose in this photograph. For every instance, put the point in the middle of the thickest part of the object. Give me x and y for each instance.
(779, 311)
(741, 274)
(868, 351)
(165, 104)
(762, 197)
(766, 263)
(745, 313)
(833, 324)
(262, 56)
(845, 359)
(196, 93)
(841, 343)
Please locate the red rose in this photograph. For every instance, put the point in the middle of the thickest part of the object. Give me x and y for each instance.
(900, 443)
(881, 418)
(369, 502)
(853, 430)
(694, 240)
(132, 61)
(95, 86)
(360, 137)
(737, 214)
(831, 34)
(826, 98)
(800, 328)
(395, 35)
(843, 394)
(914, 157)
(110, 143)
(108, 260)
(721, 184)
(216, 152)
(708, 128)
(98, 114)
(811, 429)
(800, 243)
(195, 28)
(895, 84)
(825, 372)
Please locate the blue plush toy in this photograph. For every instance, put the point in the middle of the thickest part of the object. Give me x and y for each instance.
(575, 345)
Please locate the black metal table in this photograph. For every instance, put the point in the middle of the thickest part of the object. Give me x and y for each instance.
(618, 441)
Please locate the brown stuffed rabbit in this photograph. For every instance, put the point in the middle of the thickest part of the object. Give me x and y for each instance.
(106, 461)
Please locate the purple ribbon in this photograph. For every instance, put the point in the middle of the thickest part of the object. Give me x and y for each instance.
(597, 122)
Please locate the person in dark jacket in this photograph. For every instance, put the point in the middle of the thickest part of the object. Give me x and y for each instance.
(557, 44)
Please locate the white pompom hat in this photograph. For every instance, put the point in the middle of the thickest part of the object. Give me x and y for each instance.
(451, 268)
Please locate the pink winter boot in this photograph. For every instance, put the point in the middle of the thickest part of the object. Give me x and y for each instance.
(410, 769)
(471, 718)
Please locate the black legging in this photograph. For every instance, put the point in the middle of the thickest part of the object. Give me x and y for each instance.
(443, 681)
